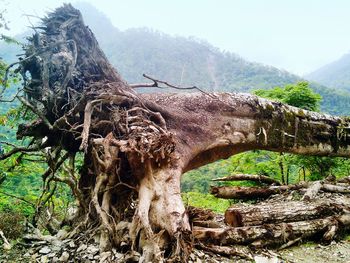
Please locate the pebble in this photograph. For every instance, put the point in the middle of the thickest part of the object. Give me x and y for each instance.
(71, 244)
(82, 247)
(45, 250)
(44, 259)
(92, 250)
(64, 257)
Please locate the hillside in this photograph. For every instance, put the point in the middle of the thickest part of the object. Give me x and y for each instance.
(335, 74)
(189, 61)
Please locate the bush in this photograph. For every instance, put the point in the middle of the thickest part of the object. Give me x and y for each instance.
(12, 223)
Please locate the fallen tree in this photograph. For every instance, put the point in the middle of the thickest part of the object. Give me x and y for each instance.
(269, 235)
(245, 192)
(249, 177)
(137, 146)
(276, 212)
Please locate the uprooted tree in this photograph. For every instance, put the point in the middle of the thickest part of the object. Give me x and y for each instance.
(137, 146)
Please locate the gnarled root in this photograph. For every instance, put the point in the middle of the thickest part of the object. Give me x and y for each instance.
(160, 224)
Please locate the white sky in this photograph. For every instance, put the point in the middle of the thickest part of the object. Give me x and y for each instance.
(296, 35)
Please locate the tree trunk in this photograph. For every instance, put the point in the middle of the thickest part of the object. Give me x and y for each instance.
(271, 234)
(139, 145)
(237, 192)
(248, 177)
(272, 213)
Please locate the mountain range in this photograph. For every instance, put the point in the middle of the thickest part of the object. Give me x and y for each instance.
(190, 61)
(335, 74)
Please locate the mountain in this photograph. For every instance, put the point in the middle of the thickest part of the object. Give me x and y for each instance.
(335, 74)
(178, 60)
(189, 61)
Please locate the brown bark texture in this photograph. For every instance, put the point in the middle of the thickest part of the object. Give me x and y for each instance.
(248, 177)
(276, 212)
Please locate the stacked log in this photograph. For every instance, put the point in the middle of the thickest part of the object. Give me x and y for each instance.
(269, 213)
(278, 222)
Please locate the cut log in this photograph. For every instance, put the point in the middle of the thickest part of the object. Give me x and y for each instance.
(344, 180)
(236, 192)
(336, 188)
(312, 191)
(254, 215)
(249, 177)
(269, 235)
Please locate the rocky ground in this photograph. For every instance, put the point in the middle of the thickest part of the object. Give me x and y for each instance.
(337, 252)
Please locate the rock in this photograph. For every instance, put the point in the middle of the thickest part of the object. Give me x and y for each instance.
(192, 256)
(92, 250)
(34, 256)
(51, 255)
(45, 250)
(200, 254)
(71, 244)
(82, 247)
(7, 246)
(263, 259)
(61, 234)
(64, 257)
(44, 259)
(104, 256)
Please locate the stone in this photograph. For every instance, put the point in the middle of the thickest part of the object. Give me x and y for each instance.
(72, 244)
(264, 259)
(44, 259)
(62, 233)
(45, 250)
(64, 257)
(92, 250)
(82, 247)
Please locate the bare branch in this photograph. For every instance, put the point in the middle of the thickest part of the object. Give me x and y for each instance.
(23, 149)
(36, 111)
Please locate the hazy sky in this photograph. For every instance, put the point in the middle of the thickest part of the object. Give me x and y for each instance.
(296, 35)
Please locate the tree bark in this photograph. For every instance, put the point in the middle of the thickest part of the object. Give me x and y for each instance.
(312, 191)
(237, 192)
(272, 213)
(270, 235)
(248, 177)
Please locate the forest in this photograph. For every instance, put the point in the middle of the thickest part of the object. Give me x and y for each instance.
(101, 169)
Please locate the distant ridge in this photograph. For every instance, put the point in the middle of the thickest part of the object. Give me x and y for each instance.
(335, 74)
(187, 62)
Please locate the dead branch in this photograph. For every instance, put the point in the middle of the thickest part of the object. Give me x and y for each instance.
(36, 111)
(23, 149)
(312, 191)
(7, 245)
